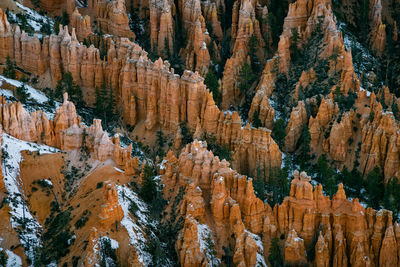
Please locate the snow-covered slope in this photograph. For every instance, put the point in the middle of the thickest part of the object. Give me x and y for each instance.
(25, 224)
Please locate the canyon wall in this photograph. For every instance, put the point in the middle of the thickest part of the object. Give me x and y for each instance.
(221, 202)
(148, 92)
(65, 132)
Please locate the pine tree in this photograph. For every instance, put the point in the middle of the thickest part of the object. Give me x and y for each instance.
(304, 150)
(391, 198)
(65, 18)
(259, 183)
(275, 256)
(46, 27)
(110, 107)
(3, 258)
(211, 81)
(371, 116)
(22, 93)
(9, 70)
(374, 187)
(395, 110)
(256, 119)
(148, 188)
(167, 51)
(36, 3)
(278, 184)
(279, 132)
(98, 104)
(67, 84)
(56, 27)
(294, 44)
(160, 143)
(51, 102)
(246, 78)
(255, 62)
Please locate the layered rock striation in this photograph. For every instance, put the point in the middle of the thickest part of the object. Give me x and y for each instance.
(65, 132)
(220, 204)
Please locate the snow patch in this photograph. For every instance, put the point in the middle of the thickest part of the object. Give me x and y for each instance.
(260, 250)
(34, 18)
(36, 95)
(118, 170)
(204, 238)
(20, 215)
(13, 259)
(136, 234)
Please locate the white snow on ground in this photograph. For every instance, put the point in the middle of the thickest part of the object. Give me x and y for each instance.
(6, 93)
(30, 234)
(34, 18)
(48, 182)
(97, 248)
(204, 233)
(363, 60)
(136, 234)
(79, 3)
(118, 170)
(368, 92)
(13, 259)
(36, 95)
(260, 252)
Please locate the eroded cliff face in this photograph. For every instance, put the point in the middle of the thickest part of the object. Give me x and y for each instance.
(244, 25)
(216, 201)
(220, 204)
(65, 132)
(110, 17)
(366, 129)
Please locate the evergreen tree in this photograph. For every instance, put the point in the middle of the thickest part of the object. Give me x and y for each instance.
(22, 93)
(99, 102)
(371, 115)
(186, 135)
(256, 120)
(65, 18)
(255, 62)
(246, 78)
(46, 27)
(167, 51)
(159, 258)
(382, 100)
(148, 188)
(391, 197)
(50, 93)
(279, 132)
(395, 110)
(294, 44)
(66, 84)
(304, 150)
(275, 256)
(259, 183)
(102, 48)
(9, 70)
(160, 143)
(36, 3)
(374, 187)
(3, 258)
(278, 184)
(211, 81)
(56, 27)
(110, 105)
